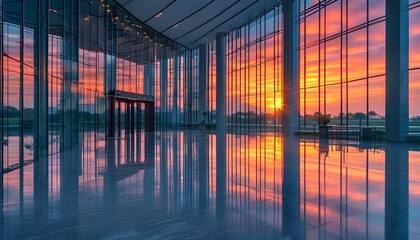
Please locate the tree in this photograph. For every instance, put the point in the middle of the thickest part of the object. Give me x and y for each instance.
(373, 114)
(321, 119)
(10, 112)
(359, 115)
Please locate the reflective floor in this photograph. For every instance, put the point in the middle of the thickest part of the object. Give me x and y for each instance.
(215, 185)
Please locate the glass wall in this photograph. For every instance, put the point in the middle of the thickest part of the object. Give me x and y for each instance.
(58, 76)
(414, 65)
(342, 62)
(20, 69)
(254, 72)
(342, 66)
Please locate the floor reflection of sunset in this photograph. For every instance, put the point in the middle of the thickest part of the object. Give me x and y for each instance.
(340, 185)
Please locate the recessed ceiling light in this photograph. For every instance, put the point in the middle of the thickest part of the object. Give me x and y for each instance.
(174, 26)
(159, 14)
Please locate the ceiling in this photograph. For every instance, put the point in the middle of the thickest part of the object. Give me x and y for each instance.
(191, 22)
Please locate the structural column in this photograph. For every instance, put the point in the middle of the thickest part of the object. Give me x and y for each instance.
(163, 87)
(149, 76)
(175, 84)
(1, 111)
(40, 171)
(69, 99)
(290, 113)
(220, 81)
(202, 84)
(41, 92)
(396, 108)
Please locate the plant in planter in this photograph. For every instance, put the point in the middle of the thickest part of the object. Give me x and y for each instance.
(323, 121)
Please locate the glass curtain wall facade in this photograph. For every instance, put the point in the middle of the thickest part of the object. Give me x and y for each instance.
(22, 74)
(414, 65)
(342, 66)
(342, 62)
(62, 62)
(254, 73)
(342, 55)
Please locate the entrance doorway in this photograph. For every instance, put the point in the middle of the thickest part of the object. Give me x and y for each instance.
(131, 127)
(130, 113)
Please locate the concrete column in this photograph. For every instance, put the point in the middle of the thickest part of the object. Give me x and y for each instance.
(149, 75)
(41, 94)
(133, 118)
(69, 99)
(220, 81)
(41, 120)
(163, 87)
(175, 114)
(119, 118)
(290, 113)
(396, 107)
(202, 84)
(1, 117)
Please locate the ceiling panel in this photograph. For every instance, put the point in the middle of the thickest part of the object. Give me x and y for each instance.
(192, 22)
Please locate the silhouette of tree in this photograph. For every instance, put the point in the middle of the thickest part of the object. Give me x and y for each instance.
(359, 115)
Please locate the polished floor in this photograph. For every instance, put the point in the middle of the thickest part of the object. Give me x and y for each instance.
(215, 185)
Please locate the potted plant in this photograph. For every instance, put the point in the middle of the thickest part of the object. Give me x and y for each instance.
(323, 121)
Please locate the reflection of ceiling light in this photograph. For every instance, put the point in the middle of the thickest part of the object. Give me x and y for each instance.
(159, 14)
(87, 18)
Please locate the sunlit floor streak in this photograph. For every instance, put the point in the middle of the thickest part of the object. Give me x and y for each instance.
(217, 185)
